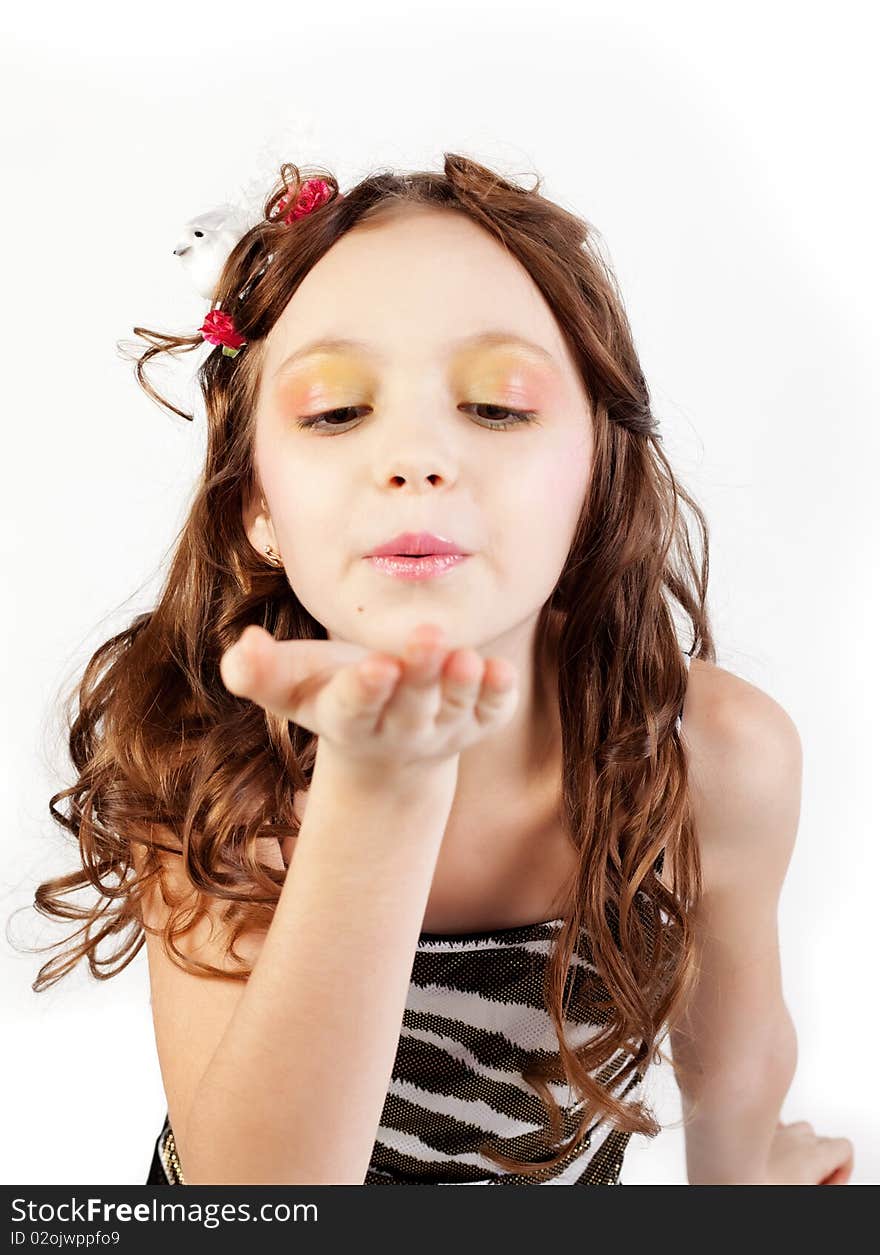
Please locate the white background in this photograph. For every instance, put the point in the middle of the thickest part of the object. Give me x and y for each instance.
(727, 156)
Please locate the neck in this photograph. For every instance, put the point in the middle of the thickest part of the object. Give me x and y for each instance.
(519, 765)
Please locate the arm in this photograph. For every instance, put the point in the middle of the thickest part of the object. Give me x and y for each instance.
(736, 1037)
(294, 1091)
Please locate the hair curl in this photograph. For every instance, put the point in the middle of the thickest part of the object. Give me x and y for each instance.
(158, 740)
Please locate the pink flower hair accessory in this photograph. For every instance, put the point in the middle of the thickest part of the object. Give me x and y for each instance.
(219, 326)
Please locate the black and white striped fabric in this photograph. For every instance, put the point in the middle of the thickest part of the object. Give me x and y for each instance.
(474, 1015)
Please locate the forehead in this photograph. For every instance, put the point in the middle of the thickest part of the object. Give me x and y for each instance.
(423, 286)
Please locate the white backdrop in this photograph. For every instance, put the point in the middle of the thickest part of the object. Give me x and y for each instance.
(723, 153)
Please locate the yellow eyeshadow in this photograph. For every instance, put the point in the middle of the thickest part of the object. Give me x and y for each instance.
(311, 382)
(506, 368)
(498, 378)
(492, 375)
(517, 383)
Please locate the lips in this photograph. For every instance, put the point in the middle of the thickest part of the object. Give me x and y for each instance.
(416, 545)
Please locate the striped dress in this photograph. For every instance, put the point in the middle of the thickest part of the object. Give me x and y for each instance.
(474, 1015)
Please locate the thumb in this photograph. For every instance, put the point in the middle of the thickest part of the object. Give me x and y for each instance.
(246, 667)
(275, 674)
(282, 675)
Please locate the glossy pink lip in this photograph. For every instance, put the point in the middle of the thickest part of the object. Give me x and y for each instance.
(415, 544)
(425, 568)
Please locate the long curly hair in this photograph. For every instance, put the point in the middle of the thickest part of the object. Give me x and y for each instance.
(158, 740)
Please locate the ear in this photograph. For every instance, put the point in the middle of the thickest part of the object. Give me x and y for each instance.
(258, 523)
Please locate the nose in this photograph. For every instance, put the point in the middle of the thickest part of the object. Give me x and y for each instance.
(415, 455)
(402, 480)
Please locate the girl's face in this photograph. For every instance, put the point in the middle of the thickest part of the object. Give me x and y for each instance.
(441, 314)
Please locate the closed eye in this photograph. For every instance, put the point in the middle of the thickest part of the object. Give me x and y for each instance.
(515, 417)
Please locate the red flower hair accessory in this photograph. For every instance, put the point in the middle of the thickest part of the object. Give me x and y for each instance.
(219, 327)
(312, 194)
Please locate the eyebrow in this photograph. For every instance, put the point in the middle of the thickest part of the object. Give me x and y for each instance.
(483, 339)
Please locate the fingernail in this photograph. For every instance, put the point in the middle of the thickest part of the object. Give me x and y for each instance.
(376, 676)
(505, 673)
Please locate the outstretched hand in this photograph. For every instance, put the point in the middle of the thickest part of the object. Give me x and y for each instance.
(426, 706)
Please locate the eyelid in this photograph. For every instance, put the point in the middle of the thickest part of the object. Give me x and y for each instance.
(518, 417)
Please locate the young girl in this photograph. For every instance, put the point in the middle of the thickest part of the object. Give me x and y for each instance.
(431, 831)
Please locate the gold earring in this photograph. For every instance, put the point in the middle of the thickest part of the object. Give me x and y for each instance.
(274, 558)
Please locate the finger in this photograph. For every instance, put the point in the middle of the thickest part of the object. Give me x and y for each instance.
(416, 700)
(840, 1177)
(281, 675)
(461, 679)
(498, 694)
(835, 1156)
(356, 696)
(245, 666)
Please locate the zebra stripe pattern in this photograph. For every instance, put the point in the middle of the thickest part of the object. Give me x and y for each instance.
(474, 1016)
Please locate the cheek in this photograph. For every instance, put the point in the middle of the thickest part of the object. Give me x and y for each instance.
(551, 496)
(301, 496)
(303, 516)
(534, 524)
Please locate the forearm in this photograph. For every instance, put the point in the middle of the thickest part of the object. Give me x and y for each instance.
(295, 1090)
(730, 1124)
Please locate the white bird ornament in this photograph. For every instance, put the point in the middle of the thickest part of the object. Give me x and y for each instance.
(206, 244)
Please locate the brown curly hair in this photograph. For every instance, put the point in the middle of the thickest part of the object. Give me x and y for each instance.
(158, 741)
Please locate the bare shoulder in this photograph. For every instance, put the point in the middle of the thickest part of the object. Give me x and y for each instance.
(744, 776)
